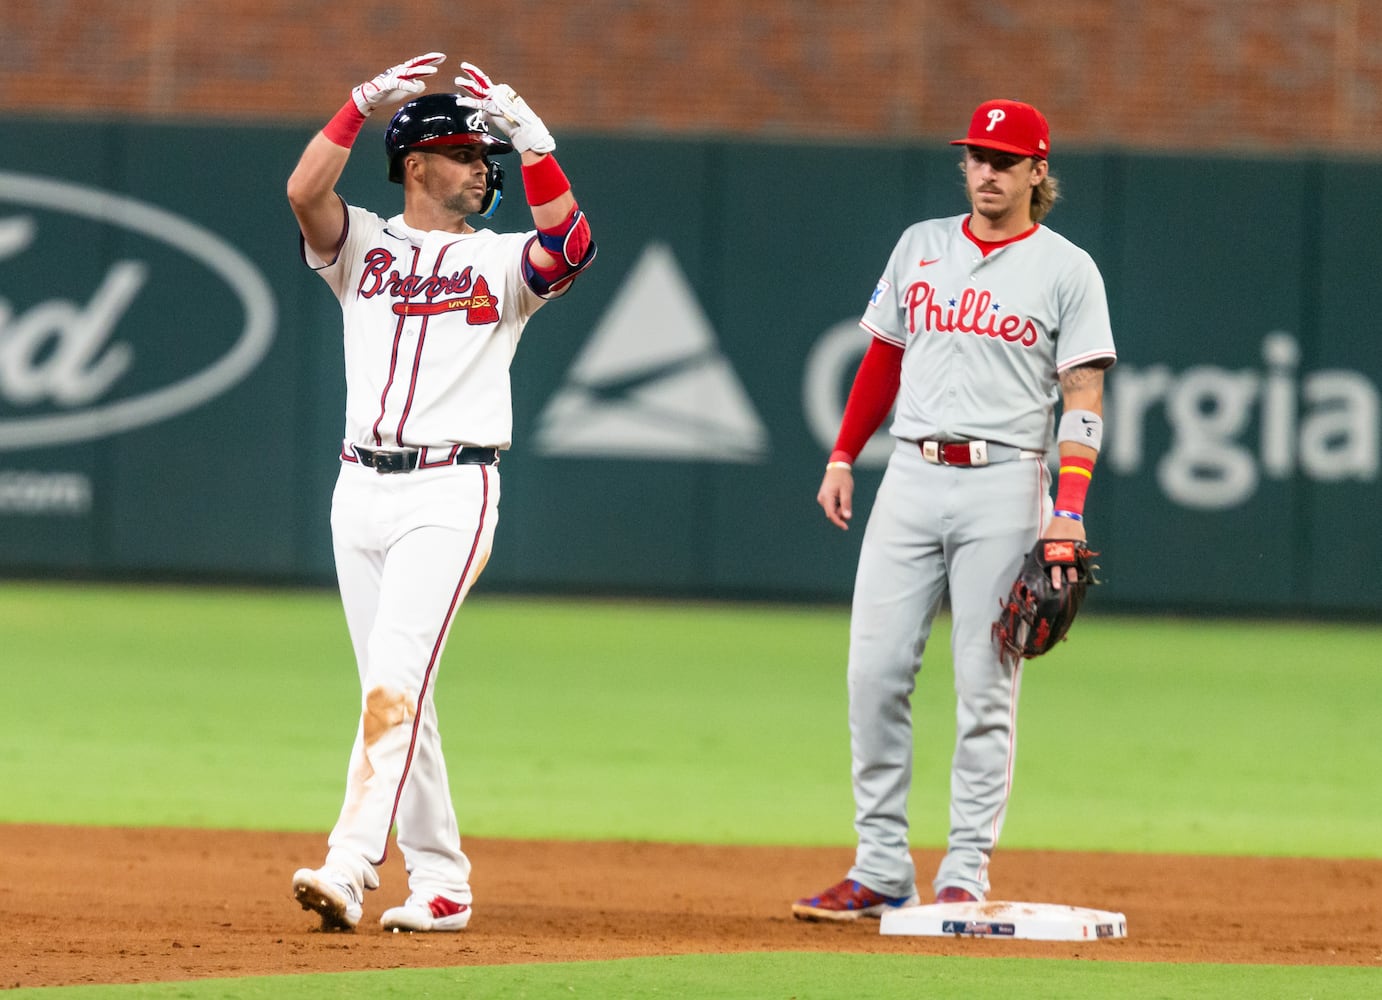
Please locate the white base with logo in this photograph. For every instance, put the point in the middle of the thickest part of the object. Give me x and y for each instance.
(999, 919)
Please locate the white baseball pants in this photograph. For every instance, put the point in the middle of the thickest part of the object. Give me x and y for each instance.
(408, 548)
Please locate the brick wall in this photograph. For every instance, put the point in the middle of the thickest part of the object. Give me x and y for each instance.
(1250, 76)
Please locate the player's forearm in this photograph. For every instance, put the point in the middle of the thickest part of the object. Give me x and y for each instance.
(564, 245)
(1072, 488)
(1070, 449)
(548, 191)
(312, 188)
(317, 170)
(1082, 388)
(1079, 437)
(870, 399)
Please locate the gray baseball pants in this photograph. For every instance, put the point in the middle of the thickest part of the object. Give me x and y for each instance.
(937, 530)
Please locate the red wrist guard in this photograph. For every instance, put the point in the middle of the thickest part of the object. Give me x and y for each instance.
(544, 181)
(1075, 476)
(345, 126)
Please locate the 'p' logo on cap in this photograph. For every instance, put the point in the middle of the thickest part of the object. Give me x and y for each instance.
(1009, 126)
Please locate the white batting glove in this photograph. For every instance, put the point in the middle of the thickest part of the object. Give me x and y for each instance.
(396, 83)
(505, 110)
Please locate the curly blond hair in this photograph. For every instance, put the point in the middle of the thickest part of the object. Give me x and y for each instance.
(1044, 196)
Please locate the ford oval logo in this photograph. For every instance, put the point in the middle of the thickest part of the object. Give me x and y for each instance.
(63, 354)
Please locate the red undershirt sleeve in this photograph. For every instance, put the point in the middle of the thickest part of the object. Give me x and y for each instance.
(870, 398)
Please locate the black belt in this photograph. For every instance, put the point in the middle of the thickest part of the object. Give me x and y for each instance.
(406, 460)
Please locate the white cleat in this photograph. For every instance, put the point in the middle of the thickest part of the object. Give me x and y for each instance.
(331, 893)
(417, 914)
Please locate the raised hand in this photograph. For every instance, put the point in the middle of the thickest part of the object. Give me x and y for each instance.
(396, 83)
(505, 110)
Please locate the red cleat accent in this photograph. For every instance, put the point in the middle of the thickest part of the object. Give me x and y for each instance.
(849, 900)
(954, 894)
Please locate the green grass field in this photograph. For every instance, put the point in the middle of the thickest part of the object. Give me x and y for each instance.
(797, 976)
(1163, 736)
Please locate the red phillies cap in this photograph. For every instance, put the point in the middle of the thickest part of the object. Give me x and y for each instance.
(1010, 126)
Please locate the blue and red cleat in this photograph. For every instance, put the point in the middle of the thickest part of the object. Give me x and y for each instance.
(954, 894)
(849, 900)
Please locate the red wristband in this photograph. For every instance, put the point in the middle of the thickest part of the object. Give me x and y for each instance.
(345, 126)
(544, 181)
(1075, 476)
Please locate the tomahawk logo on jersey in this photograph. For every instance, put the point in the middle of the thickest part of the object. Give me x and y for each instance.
(467, 293)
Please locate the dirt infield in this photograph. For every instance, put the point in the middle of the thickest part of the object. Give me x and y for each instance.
(90, 905)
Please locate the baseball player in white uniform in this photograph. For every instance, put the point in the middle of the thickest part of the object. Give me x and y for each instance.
(433, 310)
(979, 325)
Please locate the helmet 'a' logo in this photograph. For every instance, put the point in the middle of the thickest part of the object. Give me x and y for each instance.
(996, 115)
(475, 122)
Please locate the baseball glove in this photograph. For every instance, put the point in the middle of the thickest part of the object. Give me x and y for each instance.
(1036, 615)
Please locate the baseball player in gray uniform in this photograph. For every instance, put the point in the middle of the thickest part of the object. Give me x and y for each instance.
(980, 324)
(432, 311)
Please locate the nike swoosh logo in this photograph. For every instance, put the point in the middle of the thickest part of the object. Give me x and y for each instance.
(926, 263)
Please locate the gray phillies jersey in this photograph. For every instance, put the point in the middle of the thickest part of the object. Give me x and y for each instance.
(984, 338)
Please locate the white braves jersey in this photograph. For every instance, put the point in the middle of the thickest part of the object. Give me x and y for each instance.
(984, 338)
(432, 320)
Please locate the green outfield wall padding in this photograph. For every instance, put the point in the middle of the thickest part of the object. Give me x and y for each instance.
(171, 382)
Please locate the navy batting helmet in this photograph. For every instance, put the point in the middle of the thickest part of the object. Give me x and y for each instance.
(441, 120)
